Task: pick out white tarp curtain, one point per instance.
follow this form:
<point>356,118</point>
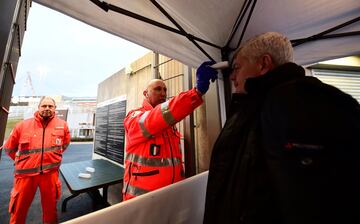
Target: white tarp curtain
<point>182,202</point>
<point>213,20</point>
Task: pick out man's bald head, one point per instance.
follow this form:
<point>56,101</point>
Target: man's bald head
<point>155,92</point>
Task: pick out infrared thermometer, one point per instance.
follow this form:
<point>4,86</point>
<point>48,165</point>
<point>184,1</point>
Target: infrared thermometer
<point>220,65</point>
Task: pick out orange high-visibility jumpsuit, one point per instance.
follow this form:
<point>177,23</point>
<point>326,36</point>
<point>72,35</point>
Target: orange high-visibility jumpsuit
<point>36,147</point>
<point>153,155</point>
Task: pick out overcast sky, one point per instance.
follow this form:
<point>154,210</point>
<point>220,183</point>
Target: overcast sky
<point>64,56</point>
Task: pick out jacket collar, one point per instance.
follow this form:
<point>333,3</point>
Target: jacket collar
<point>275,77</point>
<point>146,105</point>
<point>41,120</point>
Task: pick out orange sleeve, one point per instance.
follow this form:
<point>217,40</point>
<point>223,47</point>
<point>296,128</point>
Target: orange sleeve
<point>142,125</point>
<point>67,137</point>
<point>11,144</point>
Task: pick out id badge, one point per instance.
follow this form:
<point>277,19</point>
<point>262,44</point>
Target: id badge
<point>154,150</point>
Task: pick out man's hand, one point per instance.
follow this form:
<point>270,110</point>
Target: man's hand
<point>203,76</point>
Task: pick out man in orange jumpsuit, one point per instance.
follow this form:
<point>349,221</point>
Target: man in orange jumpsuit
<point>153,156</point>
<point>36,146</point>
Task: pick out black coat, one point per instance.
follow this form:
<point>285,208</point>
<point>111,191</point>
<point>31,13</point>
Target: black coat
<point>288,153</point>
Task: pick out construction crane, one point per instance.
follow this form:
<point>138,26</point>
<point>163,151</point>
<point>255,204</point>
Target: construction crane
<point>28,84</point>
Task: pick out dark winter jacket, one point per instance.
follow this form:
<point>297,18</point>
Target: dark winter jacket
<point>288,153</point>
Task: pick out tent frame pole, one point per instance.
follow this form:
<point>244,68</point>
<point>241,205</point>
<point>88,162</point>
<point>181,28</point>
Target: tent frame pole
<point>106,7</point>
<point>323,35</point>
<point>165,13</point>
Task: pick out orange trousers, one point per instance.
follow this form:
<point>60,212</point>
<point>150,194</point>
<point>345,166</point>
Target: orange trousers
<point>24,191</point>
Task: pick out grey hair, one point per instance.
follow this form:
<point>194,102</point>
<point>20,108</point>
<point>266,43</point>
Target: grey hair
<point>275,44</point>
<point>46,97</point>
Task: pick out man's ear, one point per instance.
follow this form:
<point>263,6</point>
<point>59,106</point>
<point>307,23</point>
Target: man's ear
<point>266,64</point>
<point>145,93</point>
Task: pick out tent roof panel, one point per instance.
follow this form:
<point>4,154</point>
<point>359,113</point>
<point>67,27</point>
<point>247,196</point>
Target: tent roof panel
<point>213,20</point>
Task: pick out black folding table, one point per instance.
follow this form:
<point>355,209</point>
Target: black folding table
<point>106,174</point>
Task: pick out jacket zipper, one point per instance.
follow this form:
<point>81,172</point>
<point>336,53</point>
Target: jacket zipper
<point>42,149</point>
<point>20,160</point>
<point>144,174</point>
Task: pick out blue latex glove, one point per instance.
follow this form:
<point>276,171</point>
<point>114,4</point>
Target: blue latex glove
<point>203,76</point>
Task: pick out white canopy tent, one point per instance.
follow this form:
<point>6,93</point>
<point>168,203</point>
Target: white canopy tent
<point>219,25</point>
<point>193,31</point>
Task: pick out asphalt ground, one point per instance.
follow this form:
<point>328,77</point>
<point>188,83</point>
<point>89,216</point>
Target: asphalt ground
<point>76,207</point>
